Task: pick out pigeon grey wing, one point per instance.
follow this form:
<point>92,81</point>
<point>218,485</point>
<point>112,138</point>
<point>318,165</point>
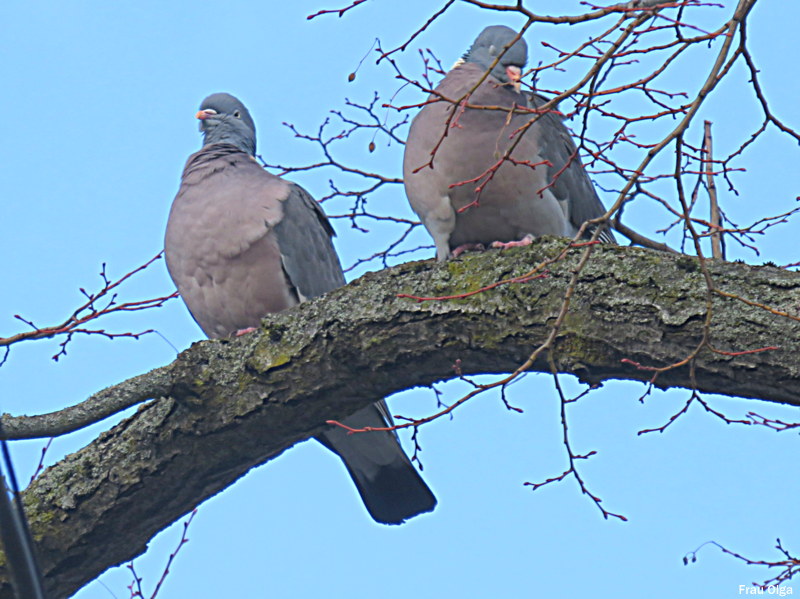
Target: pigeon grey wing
<point>570,182</point>
<point>389,485</point>
<point>221,248</point>
<point>307,253</point>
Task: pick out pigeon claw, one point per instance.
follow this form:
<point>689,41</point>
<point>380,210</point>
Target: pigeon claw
<point>478,247</point>
<point>513,244</point>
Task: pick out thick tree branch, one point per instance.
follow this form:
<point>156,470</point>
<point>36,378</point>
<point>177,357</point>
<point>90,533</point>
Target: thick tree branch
<point>230,405</point>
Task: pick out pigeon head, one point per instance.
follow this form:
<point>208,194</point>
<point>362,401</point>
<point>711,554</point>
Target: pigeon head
<point>224,119</point>
<point>488,46</point>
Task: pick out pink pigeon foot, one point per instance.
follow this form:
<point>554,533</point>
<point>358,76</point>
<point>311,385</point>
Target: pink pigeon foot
<point>513,244</point>
<point>241,332</point>
<point>478,247</point>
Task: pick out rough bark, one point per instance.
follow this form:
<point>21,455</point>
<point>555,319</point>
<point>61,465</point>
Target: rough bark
<point>233,404</point>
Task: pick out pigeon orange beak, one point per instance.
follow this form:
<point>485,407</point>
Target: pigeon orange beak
<point>514,74</point>
<point>204,114</point>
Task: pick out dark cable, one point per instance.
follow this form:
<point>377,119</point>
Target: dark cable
<point>15,535</point>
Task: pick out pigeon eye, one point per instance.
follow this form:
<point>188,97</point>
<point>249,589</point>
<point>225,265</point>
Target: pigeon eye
<point>237,114</point>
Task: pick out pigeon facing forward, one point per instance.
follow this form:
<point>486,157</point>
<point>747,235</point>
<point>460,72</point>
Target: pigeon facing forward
<point>455,177</point>
<point>241,243</point>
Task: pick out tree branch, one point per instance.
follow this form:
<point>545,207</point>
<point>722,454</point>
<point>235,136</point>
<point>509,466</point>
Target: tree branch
<point>230,405</point>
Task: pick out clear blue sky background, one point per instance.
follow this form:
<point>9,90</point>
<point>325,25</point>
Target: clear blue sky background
<point>98,105</point>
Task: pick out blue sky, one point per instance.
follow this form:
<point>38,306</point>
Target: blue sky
<point>99,110</point>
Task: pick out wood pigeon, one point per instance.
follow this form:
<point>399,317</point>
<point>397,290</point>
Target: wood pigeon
<point>454,175</point>
<point>241,243</point>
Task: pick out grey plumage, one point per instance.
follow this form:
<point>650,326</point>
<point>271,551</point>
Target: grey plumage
<point>554,197</point>
<point>241,243</point>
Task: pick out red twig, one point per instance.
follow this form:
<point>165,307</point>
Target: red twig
<point>744,353</point>
<point>40,465</point>
<point>789,566</point>
<point>136,585</point>
<point>337,11</point>
<point>572,457</point>
<point>184,539</point>
<point>90,310</point>
<point>773,423</point>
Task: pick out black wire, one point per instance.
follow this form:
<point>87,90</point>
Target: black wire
<point>16,536</point>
